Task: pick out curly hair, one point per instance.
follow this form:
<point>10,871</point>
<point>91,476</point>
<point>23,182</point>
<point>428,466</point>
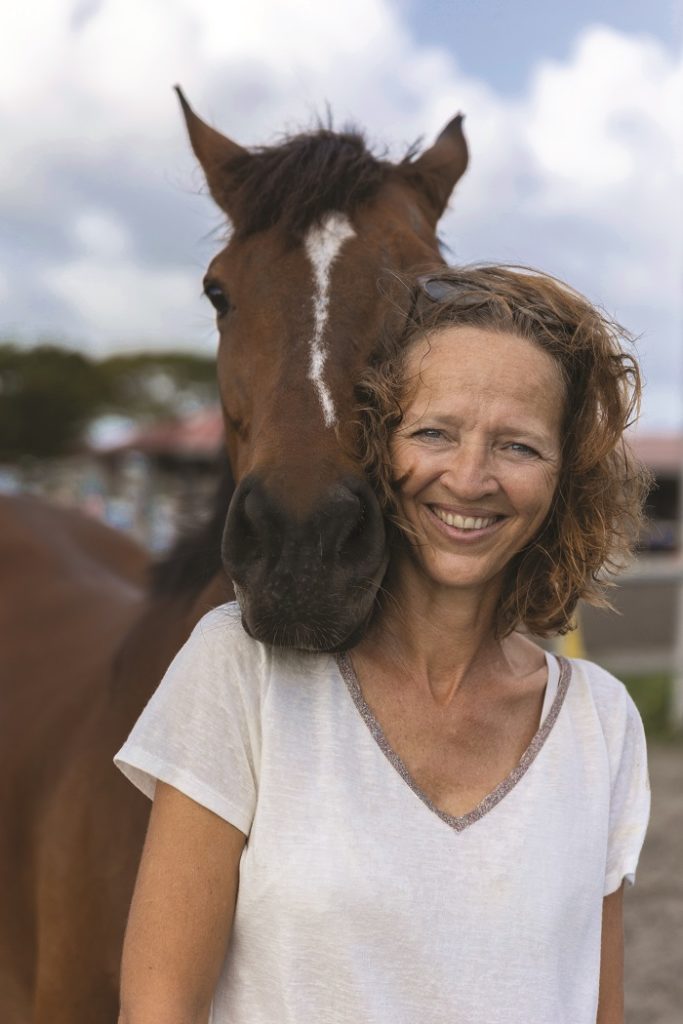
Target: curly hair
<point>593,525</point>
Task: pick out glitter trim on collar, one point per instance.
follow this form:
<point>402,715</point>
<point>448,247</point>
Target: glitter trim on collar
<point>502,789</point>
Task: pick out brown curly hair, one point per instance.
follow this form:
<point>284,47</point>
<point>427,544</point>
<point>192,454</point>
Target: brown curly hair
<point>594,523</point>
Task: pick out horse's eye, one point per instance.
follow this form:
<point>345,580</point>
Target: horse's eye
<point>217,297</point>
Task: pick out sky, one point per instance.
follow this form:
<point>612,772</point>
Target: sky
<point>572,116</point>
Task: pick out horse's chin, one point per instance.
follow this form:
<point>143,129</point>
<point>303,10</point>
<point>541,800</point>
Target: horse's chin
<point>344,632</point>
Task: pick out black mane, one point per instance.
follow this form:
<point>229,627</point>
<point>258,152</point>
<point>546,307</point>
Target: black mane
<point>195,558</point>
<point>296,183</point>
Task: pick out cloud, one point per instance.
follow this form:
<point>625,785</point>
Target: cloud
<point>106,239</point>
<point>113,294</point>
<point>614,156</point>
<point>99,234</point>
<point>582,177</point>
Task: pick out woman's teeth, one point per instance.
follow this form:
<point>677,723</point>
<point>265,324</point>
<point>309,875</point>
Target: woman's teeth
<point>463,522</point>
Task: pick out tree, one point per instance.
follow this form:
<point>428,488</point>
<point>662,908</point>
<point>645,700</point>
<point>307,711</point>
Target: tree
<point>47,395</point>
<point>159,384</point>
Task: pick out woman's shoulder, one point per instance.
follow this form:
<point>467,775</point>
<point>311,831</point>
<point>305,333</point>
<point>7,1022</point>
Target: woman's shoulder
<point>219,666</point>
<point>220,636</point>
<point>593,685</point>
<point>604,687</point>
<point>223,624</point>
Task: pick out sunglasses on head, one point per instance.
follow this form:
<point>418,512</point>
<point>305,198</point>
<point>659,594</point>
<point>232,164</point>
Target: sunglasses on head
<point>438,289</point>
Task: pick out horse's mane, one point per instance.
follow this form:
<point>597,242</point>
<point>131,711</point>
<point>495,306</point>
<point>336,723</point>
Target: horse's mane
<point>295,183</point>
<point>195,558</point>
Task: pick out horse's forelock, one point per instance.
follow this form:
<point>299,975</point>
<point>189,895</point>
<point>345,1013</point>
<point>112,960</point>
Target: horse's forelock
<point>296,183</point>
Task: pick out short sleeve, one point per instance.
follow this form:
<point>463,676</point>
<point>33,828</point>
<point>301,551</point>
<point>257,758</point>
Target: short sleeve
<point>200,732</point>
<point>629,804</point>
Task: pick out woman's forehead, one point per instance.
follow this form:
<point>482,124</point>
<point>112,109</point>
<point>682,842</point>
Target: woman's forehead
<point>466,366</point>
<point>469,352</point>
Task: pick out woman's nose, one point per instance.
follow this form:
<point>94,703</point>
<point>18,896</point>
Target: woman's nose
<point>471,472</point>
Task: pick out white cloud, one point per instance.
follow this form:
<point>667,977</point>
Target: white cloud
<point>127,302</point>
<point>605,133</point>
<point>593,120</point>
<point>100,234</point>
<point>579,174</point>
<point>582,176</point>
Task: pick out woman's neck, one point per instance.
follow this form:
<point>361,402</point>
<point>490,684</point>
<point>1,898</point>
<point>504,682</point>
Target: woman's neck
<point>444,638</point>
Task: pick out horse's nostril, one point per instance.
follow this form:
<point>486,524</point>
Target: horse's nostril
<point>357,533</point>
<point>359,525</point>
<point>251,515</point>
<point>249,523</point>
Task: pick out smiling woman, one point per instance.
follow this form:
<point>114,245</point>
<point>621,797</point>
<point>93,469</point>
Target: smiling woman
<point>436,824</point>
<point>478,452</point>
<point>525,371</point>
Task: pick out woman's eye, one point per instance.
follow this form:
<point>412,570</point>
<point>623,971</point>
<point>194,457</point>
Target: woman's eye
<point>522,449</point>
<point>429,434</point>
<point>217,297</point>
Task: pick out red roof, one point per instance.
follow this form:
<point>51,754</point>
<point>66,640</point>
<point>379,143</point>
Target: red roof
<point>662,453</point>
<point>199,435</point>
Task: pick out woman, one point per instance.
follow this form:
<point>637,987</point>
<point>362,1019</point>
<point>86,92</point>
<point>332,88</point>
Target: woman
<point>440,821</point>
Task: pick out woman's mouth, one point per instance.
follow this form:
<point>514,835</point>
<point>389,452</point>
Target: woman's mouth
<point>461,522</point>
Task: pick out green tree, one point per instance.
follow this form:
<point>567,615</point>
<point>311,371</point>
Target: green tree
<point>47,396</point>
<point>158,384</point>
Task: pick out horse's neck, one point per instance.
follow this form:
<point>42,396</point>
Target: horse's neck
<point>217,591</point>
<point>155,639</point>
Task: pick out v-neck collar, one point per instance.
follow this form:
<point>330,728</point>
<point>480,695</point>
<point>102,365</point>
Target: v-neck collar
<point>548,719</point>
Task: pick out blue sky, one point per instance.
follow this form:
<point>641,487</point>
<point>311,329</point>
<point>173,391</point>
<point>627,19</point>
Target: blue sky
<point>573,119</point>
<point>500,41</point>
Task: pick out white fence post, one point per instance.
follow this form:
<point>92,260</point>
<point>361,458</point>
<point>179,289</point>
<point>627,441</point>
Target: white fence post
<point>677,684</point>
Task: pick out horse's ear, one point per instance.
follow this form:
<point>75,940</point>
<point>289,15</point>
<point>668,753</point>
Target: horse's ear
<point>437,170</point>
<point>214,152</point>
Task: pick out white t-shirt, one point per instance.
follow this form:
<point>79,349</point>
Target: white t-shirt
<point>359,902</point>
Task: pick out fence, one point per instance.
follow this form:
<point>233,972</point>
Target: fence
<point>646,633</point>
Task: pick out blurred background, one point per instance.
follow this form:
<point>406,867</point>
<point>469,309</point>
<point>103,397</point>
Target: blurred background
<point>107,394</point>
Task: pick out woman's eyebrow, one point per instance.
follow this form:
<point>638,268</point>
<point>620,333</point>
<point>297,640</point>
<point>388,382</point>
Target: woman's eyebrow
<point>509,427</point>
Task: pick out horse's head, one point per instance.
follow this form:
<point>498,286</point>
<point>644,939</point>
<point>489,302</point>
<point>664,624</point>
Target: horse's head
<point>302,291</point>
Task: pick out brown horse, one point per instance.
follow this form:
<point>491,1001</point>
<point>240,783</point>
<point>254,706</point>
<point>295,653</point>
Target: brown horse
<point>302,290</point>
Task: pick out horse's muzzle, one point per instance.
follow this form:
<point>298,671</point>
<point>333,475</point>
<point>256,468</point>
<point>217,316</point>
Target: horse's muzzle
<point>305,581</point>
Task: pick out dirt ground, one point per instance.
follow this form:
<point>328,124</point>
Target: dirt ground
<point>654,906</point>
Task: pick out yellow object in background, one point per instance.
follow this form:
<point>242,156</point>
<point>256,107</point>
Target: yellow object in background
<point>571,645</point>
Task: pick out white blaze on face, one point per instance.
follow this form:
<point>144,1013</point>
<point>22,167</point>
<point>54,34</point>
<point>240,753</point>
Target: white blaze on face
<point>323,243</point>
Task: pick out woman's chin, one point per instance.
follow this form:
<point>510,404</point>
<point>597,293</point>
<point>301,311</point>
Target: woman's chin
<point>453,574</point>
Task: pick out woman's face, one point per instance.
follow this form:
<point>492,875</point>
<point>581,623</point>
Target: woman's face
<point>478,452</point>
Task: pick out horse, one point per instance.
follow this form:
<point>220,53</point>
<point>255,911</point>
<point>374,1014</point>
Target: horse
<point>321,229</point>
